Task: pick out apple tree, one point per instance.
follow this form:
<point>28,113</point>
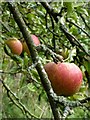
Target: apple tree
<point>62,29</point>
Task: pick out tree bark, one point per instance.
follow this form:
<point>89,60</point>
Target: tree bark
<point>43,76</point>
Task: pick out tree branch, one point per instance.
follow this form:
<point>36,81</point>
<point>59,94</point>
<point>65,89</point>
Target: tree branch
<point>44,79</point>
<point>19,104</point>
<point>84,21</point>
<point>73,40</point>
<point>7,29</point>
<point>50,11</point>
<point>65,102</point>
<point>78,27</point>
<point>55,34</point>
<point>50,52</point>
<point>70,37</point>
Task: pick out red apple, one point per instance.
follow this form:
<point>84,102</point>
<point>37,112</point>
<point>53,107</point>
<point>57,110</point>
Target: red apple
<point>36,42</point>
<point>65,78</point>
<point>15,46</point>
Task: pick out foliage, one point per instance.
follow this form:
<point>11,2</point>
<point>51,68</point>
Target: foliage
<point>19,73</point>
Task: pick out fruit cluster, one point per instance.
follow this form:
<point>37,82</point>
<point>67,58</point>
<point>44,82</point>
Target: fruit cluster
<point>18,47</point>
<point>65,78</point>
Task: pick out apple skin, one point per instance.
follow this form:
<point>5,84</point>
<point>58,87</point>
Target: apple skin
<point>15,45</point>
<point>36,42</point>
<point>25,48</point>
<point>66,78</point>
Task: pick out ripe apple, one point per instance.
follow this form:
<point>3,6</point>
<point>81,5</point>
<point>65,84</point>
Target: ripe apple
<point>36,42</point>
<point>65,78</point>
<point>15,45</point>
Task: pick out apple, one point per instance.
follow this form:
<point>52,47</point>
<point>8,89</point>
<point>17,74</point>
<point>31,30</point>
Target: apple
<point>15,45</point>
<point>36,42</point>
<point>66,78</point>
<point>25,48</point>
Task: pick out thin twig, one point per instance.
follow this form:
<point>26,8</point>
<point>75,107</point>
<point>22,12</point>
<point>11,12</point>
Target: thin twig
<point>43,111</point>
<point>14,101</point>
<point>78,27</point>
<point>84,21</point>
<point>53,32</point>
<point>7,29</point>
<point>73,40</point>
<point>50,10</point>
<point>50,52</point>
<point>7,72</point>
<point>9,91</point>
<point>53,39</point>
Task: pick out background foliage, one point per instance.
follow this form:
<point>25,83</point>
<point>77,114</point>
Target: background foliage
<point>20,74</point>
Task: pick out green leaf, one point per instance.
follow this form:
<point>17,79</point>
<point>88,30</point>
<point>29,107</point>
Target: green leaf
<point>87,66</point>
<point>69,6</point>
<point>31,87</point>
